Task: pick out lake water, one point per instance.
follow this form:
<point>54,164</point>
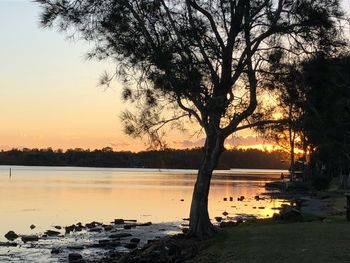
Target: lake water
<point>49,196</point>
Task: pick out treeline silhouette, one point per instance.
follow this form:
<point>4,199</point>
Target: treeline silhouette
<point>168,158</point>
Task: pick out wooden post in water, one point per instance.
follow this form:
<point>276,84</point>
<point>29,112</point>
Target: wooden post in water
<point>347,206</point>
<point>10,173</point>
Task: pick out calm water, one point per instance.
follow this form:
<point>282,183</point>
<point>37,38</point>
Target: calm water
<point>48,196</point>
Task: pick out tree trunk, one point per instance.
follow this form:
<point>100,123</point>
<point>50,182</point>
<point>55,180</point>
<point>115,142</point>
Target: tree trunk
<point>200,225</point>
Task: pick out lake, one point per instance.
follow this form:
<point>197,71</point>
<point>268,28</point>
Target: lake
<point>49,196</point>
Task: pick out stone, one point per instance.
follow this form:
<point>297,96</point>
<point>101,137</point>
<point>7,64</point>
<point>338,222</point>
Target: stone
<point>58,227</point>
<point>231,198</point>
<point>55,251</point>
<point>69,229</point>
<point>135,240</point>
<point>218,219</point>
<point>225,199</point>
<point>120,235</point>
<point>145,224</point>
<point>107,227</point>
<point>78,229</point>
<point>131,245</point>
<point>95,229</point>
<point>73,257</point>
<point>76,247</point>
<point>290,214</point>
<point>52,233</point>
<point>32,226</point>
<point>225,213</point>
<point>118,221</point>
<point>182,200</point>
<point>29,238</point>
<point>8,244</point>
<point>11,235</point>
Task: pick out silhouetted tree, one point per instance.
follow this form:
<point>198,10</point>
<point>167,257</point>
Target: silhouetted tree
<point>326,118</point>
<point>198,59</point>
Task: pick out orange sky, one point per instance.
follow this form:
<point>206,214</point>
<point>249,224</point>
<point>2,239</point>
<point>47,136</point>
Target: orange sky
<point>49,93</point>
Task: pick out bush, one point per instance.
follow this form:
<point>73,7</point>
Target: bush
<point>321,182</point>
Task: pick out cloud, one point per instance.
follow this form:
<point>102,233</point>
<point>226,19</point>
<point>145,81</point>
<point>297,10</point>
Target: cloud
<point>245,141</point>
<point>120,144</point>
<point>190,144</point>
<point>233,141</point>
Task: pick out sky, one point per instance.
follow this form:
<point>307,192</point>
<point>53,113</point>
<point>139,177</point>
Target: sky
<point>49,93</point>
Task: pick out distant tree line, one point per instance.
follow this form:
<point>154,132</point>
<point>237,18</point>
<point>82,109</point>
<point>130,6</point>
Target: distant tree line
<point>167,158</point>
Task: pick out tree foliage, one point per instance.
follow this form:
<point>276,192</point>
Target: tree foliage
<point>202,59</point>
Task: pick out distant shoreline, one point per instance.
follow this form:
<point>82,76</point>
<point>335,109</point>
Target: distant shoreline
<point>162,159</point>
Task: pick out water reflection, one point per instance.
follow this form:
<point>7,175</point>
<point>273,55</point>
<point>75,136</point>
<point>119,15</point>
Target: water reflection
<point>46,196</point>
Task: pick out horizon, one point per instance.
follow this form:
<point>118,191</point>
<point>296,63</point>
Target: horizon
<point>51,98</point>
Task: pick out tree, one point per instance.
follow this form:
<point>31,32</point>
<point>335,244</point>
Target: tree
<point>288,85</point>
<point>326,117</point>
<point>200,59</point>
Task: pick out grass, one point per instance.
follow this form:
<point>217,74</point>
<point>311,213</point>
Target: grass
<point>265,241</point>
<point>289,243</point>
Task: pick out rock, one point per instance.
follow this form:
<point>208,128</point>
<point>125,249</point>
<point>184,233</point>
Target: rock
<point>93,224</point>
<point>78,229</point>
<point>58,227</point>
<point>218,219</point>
<point>95,229</point>
<point>29,238</point>
<point>257,198</point>
<point>107,227</point>
<point>52,233</point>
<point>130,220</point>
<point>231,198</point>
<point>55,251</point>
<point>182,200</point>
<point>32,226</point>
<point>130,245</point>
<point>76,247</point>
<point>185,219</point>
<point>11,235</point>
<point>145,224</point>
<point>225,213</point>
<point>225,199</point>
<point>74,257</point>
<point>290,214</point>
<point>118,221</point>
<point>261,207</point>
<point>69,229</point>
<point>241,198</point>
<point>8,244</point>
<point>135,240</point>
<point>120,235</point>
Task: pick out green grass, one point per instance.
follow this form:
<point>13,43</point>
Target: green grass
<point>288,243</point>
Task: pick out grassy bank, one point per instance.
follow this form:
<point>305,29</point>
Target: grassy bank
<point>263,241</point>
<point>270,242</point>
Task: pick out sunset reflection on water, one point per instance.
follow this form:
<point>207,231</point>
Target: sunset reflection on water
<point>46,196</point>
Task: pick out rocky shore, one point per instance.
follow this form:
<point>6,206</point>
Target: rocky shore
<point>79,242</point>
